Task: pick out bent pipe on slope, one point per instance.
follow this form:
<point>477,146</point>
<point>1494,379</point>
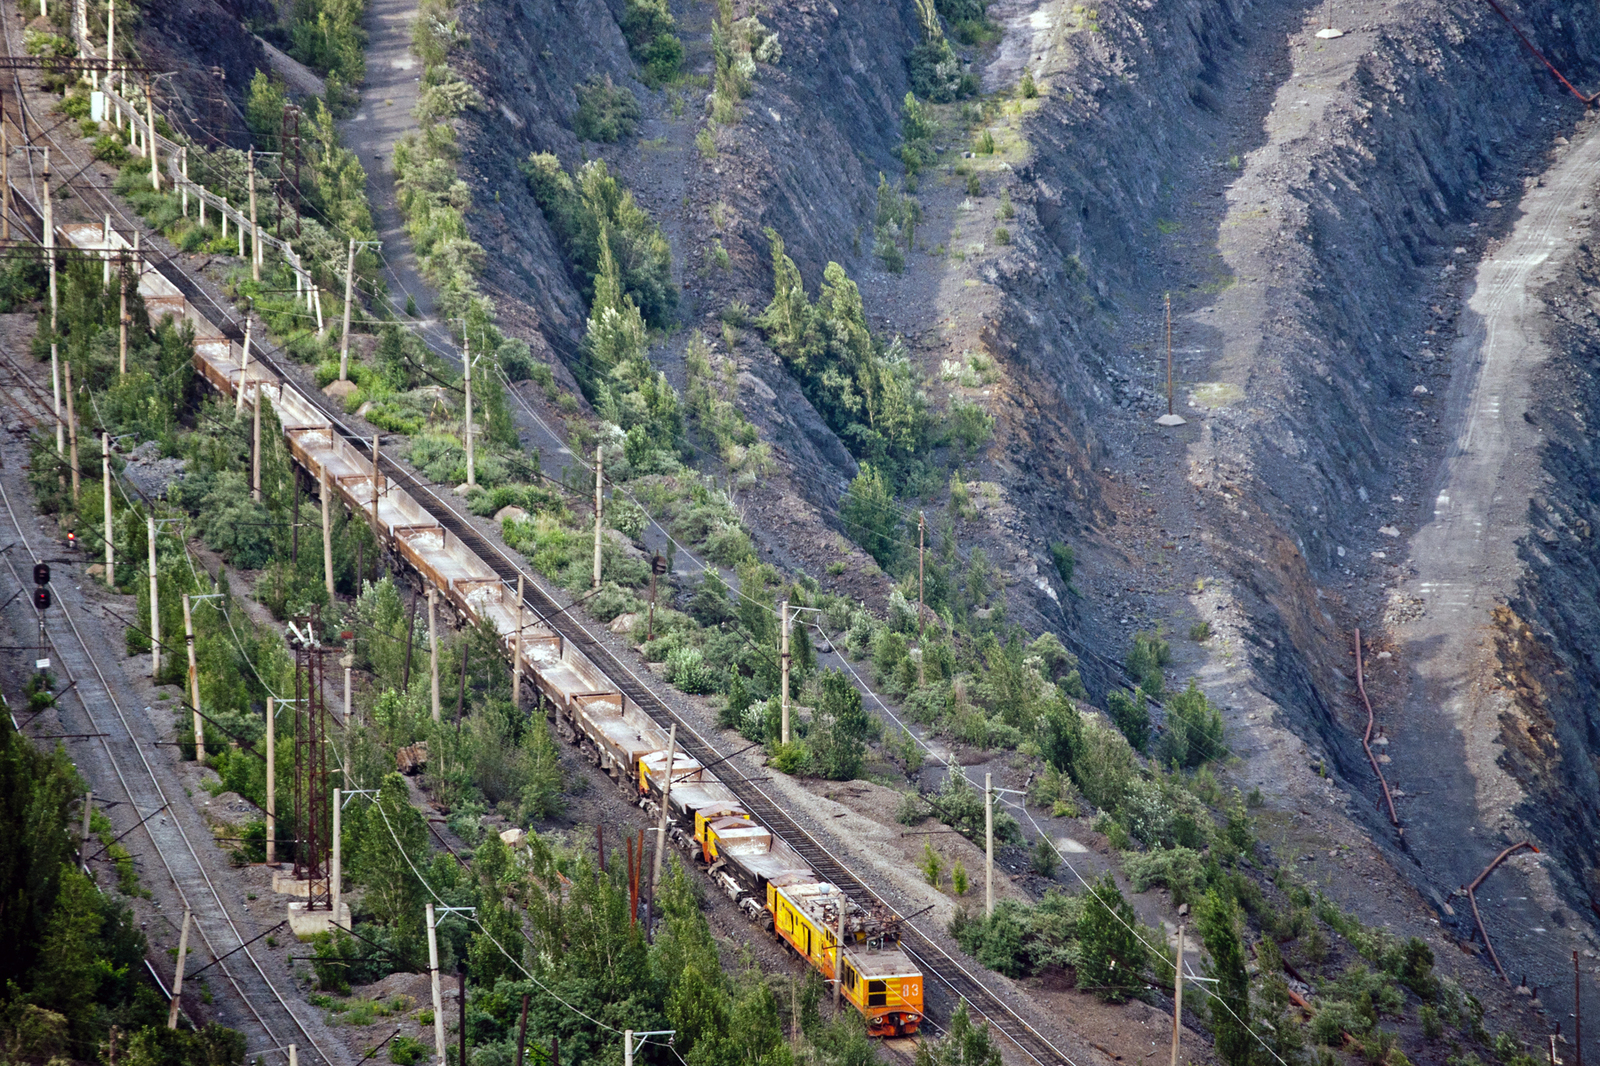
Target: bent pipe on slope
<point>1473,899</point>
<point>1361,687</point>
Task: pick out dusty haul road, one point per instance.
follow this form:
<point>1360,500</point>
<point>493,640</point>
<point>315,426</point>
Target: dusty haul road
<point>1465,563</point>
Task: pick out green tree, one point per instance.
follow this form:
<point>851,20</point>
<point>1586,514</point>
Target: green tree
<point>389,838</point>
<point>1218,925</point>
<point>1194,729</point>
<point>872,518</point>
<point>963,1044</point>
<point>1111,956</point>
<point>263,110</point>
<point>1131,715</point>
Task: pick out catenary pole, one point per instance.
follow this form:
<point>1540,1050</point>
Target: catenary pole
<point>988,844</point>
<point>599,506</point>
<point>177,980</point>
<point>344,337</point>
<point>433,976</point>
<point>194,684</point>
<point>155,601</point>
<point>433,646</point>
<point>272,784</point>
<point>783,684</point>
<point>105,482</point>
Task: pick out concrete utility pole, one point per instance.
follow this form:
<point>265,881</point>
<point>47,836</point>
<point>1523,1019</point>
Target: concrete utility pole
<point>433,646</point>
<point>516,651</point>
<point>50,256</point>
<point>599,506</point>
<point>255,230</point>
<point>433,977</point>
<point>83,840</point>
<point>988,844</point>
<point>272,783</point>
<point>150,138</point>
<point>155,602</point>
<point>344,340</point>
<point>122,314</point>
<point>244,365</point>
<point>338,820</point>
<point>194,684</point>
<point>105,481</point>
<point>5,182</point>
<point>1177,998</point>
<point>377,527</point>
<point>255,448</point>
<point>466,380</point>
<point>783,653</point>
<point>666,795</point>
<point>838,952</point>
<point>327,535</point>
<point>922,525</point>
<point>72,433</point>
<point>177,980</point>
<point>183,186</point>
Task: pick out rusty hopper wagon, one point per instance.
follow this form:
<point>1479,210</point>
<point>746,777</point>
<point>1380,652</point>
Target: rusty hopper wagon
<point>758,870</point>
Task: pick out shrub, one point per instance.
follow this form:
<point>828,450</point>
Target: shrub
<point>649,26</point>
<point>605,112</point>
<point>1131,714</point>
<point>1107,768</point>
<point>1194,729</point>
<point>1145,660</point>
<point>1200,632</point>
<point>937,75</point>
<point>407,1051</point>
<point>984,145</point>
<point>1062,555</point>
<point>958,878</point>
<point>911,809</point>
<point>1043,858</point>
<point>1029,88</point>
<point>687,670</point>
<point>1177,869</point>
<point>1218,926</point>
<point>960,806</point>
<point>971,426</point>
<point>932,866</point>
<point>871,517</point>
<point>1002,236</point>
<point>793,758</point>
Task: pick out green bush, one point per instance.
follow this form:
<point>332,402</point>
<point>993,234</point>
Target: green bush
<point>1131,714</point>
<point>582,206</point>
<point>1107,768</point>
<point>649,28</point>
<point>687,670</point>
<point>960,806</point>
<point>407,1051</point>
<point>605,112</point>
<point>1179,870</point>
<point>871,517</point>
<point>971,427</point>
<point>937,75</point>
<point>1194,729</point>
<point>1145,660</point>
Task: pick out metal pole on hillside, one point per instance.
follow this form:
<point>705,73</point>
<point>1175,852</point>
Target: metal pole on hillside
<point>272,783</point>
<point>599,505</point>
<point>988,845</point>
<point>344,336</point>
<point>1177,998</point>
<point>105,481</point>
<point>783,683</point>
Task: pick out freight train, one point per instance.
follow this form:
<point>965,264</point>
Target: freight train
<point>843,939</point>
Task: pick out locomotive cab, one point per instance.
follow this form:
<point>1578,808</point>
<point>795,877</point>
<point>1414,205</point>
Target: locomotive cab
<point>886,988</point>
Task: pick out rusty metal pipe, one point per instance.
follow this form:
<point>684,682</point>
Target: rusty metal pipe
<point>1361,687</point>
<point>1473,899</point>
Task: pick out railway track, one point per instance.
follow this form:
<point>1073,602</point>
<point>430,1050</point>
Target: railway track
<point>123,739</point>
<point>958,983</point>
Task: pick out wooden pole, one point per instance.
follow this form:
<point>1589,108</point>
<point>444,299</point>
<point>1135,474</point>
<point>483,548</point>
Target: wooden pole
<point>105,482</point>
<point>255,447</point>
<point>272,784</point>
<point>1169,353</point>
<point>433,646</point>
<point>344,337</point>
<point>72,432</point>
<point>522,1030</point>
<point>599,506</point>
<point>666,796</point>
<point>988,844</point>
<point>1177,999</point>
<point>177,980</point>
<point>783,684</point>
<point>194,684</point>
<point>155,601</point>
<point>255,230</point>
<point>327,535</point>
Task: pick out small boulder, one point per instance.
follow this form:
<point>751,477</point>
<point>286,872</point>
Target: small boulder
<point>1420,390</point>
<point>512,511</point>
<point>97,569</point>
<point>623,624</point>
<point>1389,531</point>
<point>339,390</point>
<point>462,489</point>
<point>513,838</point>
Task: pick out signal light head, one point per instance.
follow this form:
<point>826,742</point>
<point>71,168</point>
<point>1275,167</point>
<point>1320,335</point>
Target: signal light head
<point>41,573</point>
<point>41,598</point>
